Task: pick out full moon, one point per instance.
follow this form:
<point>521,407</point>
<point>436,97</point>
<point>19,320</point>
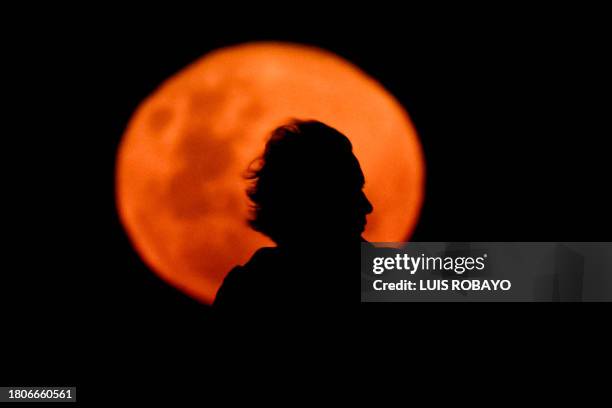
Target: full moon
<point>180,189</point>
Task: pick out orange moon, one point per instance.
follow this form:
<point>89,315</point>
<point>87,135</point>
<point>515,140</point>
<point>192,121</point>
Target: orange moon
<point>179,187</point>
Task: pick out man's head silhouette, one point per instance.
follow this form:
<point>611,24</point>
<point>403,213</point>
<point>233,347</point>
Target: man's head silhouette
<point>307,186</point>
<point>307,195</point>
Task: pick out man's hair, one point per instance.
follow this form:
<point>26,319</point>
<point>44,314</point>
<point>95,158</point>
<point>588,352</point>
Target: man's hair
<point>299,158</point>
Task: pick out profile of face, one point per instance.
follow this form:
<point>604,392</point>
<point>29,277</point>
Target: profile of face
<point>308,186</point>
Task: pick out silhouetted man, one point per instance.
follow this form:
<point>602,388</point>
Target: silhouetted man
<point>307,196</point>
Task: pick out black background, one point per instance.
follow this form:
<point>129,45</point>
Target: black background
<point>511,110</point>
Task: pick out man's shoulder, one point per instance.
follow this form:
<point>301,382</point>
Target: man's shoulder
<point>260,258</point>
<point>244,282</point>
<point>265,252</point>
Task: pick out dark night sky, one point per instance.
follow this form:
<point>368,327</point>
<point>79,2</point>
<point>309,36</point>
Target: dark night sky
<point>510,116</point>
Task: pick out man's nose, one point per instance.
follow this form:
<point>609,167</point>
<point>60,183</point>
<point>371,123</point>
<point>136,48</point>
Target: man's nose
<point>367,205</point>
